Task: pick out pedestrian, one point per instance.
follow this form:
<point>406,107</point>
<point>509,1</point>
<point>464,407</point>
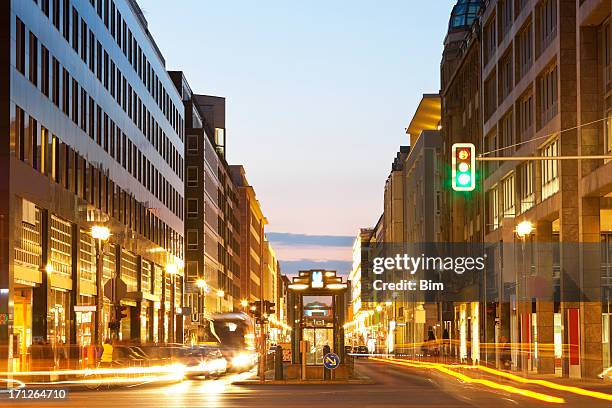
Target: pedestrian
<point>106,360</point>
<point>505,355</point>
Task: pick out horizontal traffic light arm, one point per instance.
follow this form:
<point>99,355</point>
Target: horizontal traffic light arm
<point>524,158</point>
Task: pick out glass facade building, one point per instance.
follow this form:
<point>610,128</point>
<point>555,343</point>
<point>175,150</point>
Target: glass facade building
<point>94,136</point>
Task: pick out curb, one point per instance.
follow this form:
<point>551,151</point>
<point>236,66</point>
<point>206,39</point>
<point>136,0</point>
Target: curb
<point>307,382</point>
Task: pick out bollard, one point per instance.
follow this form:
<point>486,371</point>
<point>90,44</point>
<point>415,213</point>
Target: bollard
<point>326,371</point>
<point>278,363</point>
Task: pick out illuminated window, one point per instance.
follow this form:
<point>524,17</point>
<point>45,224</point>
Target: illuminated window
<point>550,170</point>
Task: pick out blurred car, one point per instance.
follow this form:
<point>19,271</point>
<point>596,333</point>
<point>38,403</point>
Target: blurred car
<point>203,361</point>
<point>130,356</point>
<point>362,350</point>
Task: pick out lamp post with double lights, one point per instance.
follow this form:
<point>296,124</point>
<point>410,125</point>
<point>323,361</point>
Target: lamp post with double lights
<point>100,234</point>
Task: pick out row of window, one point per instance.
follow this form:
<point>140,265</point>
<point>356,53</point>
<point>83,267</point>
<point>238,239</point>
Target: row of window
<point>66,93</point>
<point>547,90</point>
<point>546,30</point>
<point>503,197</point>
<point>59,13</point>
<point>109,75</point>
<point>45,152</point>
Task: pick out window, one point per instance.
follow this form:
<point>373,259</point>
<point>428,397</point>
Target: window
<point>505,76</point>
<point>526,187</point>
<point>547,96</point>
<point>192,176</point>
<point>56,82</point>
<point>20,46</point>
<point>33,59</point>
<point>608,133</point>
<point>508,196</point>
<point>490,42</point>
<point>524,51</point>
<point>192,239</point>
<point>44,71</point>
<point>525,117</point>
<point>192,207</point>
<point>192,144</point>
<point>490,96</point>
<point>546,13</point>
<point>65,91</point>
<point>607,49</point>
<point>506,132</point>
<point>550,171</point>
<point>75,30</point>
<point>494,216</point>
<point>505,17</point>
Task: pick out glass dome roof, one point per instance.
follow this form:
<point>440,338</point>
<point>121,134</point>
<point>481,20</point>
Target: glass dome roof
<point>464,13</point>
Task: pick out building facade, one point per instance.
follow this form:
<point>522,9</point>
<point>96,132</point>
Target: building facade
<point>96,138</point>
<point>532,79</point>
<point>211,224</point>
<point>252,239</point>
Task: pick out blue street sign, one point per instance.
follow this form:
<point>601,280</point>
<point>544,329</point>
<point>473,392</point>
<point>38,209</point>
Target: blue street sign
<point>331,361</point>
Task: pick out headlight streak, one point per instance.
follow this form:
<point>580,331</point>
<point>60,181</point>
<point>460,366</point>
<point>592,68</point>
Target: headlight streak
<point>523,380</point>
<point>467,379</point>
<point>125,375</point>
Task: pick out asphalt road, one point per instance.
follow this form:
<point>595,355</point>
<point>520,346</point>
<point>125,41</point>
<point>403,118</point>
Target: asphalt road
<point>395,387</point>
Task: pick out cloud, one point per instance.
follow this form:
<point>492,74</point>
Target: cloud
<point>293,267</point>
<point>286,238</point>
<point>298,252</point>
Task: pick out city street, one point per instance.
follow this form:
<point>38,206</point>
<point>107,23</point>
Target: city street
<point>395,386</point>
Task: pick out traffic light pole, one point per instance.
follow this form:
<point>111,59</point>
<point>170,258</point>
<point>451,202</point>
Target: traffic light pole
<point>526,158</point>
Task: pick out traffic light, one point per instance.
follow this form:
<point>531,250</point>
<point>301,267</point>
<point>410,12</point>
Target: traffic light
<point>123,312</point>
<point>463,166</point>
<point>269,307</point>
<point>255,309</point>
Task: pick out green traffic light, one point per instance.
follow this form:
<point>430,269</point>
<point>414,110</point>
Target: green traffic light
<point>464,179</point>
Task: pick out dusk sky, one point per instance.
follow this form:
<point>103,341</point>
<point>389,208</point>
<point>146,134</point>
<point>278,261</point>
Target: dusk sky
<point>318,94</point>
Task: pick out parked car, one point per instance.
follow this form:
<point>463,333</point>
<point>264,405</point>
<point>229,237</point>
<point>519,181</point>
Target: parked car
<point>362,350</point>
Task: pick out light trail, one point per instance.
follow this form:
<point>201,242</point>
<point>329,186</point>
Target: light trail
<point>487,383</point>
<point>517,378</point>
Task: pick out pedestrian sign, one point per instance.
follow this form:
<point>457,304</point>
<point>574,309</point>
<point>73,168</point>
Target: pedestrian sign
<point>331,361</point>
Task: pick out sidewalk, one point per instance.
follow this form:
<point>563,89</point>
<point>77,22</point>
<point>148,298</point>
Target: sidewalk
<point>359,380</point>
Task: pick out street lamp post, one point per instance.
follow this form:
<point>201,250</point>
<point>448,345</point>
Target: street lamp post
<point>101,234</point>
<point>523,230</point>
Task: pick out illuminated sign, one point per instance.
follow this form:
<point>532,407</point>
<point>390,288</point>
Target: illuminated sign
<point>316,279</point>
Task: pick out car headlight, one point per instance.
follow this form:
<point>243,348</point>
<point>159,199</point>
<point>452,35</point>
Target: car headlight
<point>242,360</point>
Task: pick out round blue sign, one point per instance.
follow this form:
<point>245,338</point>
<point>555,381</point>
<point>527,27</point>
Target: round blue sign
<point>331,361</point>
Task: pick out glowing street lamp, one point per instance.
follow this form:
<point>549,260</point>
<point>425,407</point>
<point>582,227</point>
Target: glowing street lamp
<point>200,283</point>
<point>220,293</point>
<point>524,228</point>
<point>244,303</point>
<point>100,232</point>
<point>171,268</point>
<point>379,308</point>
